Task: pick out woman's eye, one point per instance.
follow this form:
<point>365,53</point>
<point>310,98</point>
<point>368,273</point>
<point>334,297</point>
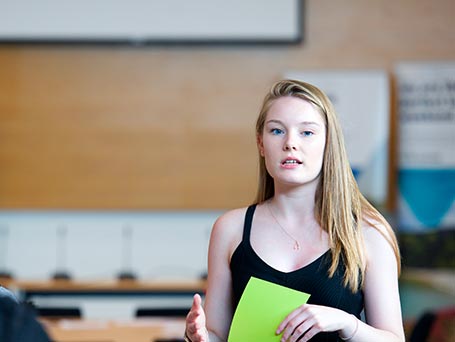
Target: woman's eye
<point>307,133</point>
<point>276,131</point>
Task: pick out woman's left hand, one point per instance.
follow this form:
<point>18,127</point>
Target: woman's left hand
<point>308,320</point>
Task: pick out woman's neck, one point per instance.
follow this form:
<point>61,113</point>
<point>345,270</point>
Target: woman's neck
<point>295,212</point>
<point>295,199</point>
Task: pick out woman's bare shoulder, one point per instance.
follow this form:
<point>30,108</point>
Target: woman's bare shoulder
<point>377,237</point>
<point>228,228</point>
<point>374,229</point>
<point>231,217</point>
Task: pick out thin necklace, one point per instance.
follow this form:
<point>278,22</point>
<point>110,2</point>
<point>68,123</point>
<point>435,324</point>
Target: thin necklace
<point>296,242</point>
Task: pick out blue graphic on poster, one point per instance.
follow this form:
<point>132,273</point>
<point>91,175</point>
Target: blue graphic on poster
<point>426,178</point>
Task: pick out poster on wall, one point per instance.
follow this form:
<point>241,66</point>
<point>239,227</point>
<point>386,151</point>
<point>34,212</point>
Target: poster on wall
<point>362,101</point>
<point>426,178</point>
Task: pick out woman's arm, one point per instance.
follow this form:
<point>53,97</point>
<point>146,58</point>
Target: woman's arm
<point>212,322</point>
<point>382,298</point>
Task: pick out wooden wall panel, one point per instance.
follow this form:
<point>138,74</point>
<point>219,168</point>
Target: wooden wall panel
<point>81,133</point>
<point>82,129</point>
<point>173,128</point>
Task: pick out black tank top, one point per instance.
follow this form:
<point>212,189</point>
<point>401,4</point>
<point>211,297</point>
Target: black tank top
<point>312,278</point>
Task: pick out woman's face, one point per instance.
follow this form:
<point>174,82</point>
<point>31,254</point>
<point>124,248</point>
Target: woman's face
<point>293,141</point>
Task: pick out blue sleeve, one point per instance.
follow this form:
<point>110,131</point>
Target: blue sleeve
<point>7,293</point>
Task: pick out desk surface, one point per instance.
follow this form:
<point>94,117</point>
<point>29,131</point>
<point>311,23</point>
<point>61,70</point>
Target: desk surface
<point>186,285</point>
<point>138,330</point>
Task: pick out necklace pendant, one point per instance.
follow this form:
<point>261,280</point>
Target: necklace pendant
<point>296,246</point>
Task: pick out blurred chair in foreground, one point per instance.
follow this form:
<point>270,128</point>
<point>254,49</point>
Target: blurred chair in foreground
<point>18,321</point>
<point>435,326</point>
<point>58,312</point>
<point>162,312</point>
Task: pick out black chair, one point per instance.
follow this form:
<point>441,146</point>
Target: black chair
<point>162,312</point>
<point>437,325</point>
<point>422,328</point>
<point>58,312</point>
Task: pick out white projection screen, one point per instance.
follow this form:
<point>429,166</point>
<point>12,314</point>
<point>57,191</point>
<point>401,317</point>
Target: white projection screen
<point>151,21</point>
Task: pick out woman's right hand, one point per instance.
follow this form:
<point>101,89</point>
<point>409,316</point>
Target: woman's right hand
<point>196,330</point>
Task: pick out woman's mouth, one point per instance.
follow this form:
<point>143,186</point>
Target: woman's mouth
<point>291,162</point>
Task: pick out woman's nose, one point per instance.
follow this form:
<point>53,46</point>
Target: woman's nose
<point>289,147</point>
<point>289,144</point>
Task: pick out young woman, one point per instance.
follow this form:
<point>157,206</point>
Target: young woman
<point>310,229</point>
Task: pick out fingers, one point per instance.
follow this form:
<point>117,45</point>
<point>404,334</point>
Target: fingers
<point>300,325</point>
<point>196,306</point>
<point>300,331</point>
<point>308,320</point>
<point>195,321</point>
<point>288,318</point>
<point>196,310</point>
<point>197,301</point>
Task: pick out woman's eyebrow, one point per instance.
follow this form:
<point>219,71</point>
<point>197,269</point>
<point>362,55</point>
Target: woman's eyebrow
<point>304,123</point>
<point>309,123</point>
<point>274,121</point>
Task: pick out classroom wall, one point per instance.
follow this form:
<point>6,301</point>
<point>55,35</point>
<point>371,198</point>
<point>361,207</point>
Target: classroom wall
<point>126,127</point>
<point>167,129</point>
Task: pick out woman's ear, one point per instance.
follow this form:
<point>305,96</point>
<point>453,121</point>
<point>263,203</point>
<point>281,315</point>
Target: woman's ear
<point>260,145</point>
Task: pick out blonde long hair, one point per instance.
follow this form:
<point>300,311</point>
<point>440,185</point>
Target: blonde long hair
<point>340,208</point>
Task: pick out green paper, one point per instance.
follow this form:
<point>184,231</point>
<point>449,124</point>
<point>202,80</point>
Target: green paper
<point>261,309</point>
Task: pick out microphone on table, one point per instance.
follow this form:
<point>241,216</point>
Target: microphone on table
<point>61,272</point>
<point>126,272</point>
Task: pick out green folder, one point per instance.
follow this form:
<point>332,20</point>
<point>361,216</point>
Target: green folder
<point>262,307</point>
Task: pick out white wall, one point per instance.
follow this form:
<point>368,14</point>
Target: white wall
<point>164,244</point>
